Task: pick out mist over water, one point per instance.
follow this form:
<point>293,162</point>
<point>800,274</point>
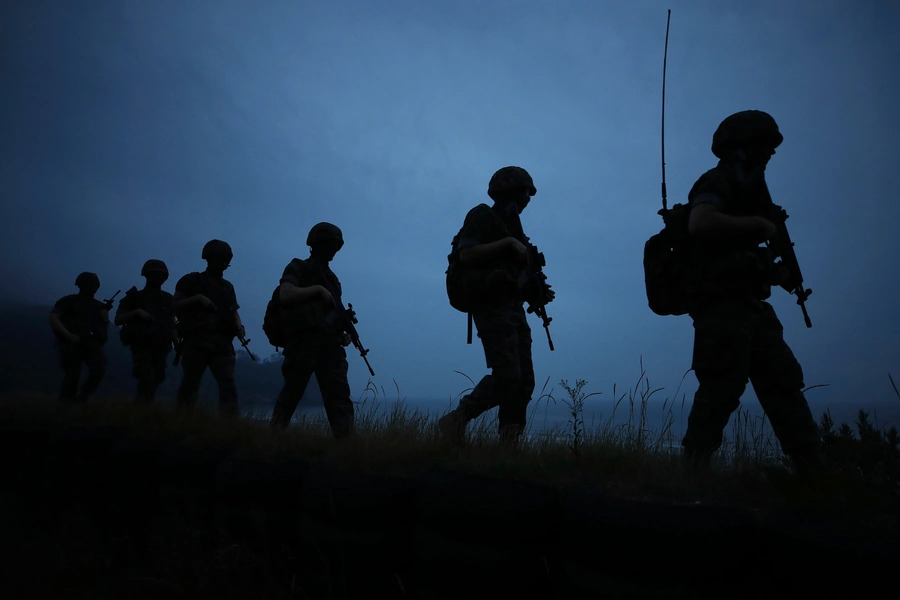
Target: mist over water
<point>546,417</point>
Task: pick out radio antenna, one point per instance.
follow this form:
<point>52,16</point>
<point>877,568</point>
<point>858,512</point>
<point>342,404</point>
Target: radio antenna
<point>665,57</point>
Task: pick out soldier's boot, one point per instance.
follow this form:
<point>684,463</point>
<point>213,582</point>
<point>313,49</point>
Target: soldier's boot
<point>510,435</point>
<point>808,462</point>
<point>696,461</point>
<point>453,426</point>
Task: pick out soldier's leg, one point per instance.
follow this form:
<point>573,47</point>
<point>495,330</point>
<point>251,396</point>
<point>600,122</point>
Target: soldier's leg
<point>721,363</point>
<point>194,360</point>
<point>497,332</point>
<point>70,363</point>
<point>142,369</point>
<point>159,371</point>
<point>514,409</point>
<point>331,373</point>
<point>298,366</point>
<point>95,359</point>
<point>221,365</point>
<point>777,378</point>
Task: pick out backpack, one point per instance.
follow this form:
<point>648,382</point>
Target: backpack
<point>273,321</point>
<point>667,264</point>
<point>457,291</point>
<point>470,289</point>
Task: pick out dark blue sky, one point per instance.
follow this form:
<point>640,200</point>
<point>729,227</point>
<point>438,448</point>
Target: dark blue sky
<point>136,130</point>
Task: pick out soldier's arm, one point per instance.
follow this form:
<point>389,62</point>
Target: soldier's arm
<point>707,221</point>
<point>481,253</point>
<point>293,294</point>
<point>58,327</point>
<point>124,317</point>
<point>195,301</point>
<point>104,315</point>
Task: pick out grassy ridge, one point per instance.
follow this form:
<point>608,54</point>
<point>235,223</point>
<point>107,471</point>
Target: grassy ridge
<point>625,459</point>
<point>60,547</point>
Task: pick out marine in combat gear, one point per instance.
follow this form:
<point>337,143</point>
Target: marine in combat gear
<point>148,328</point>
<point>490,251</point>
<point>308,293</point>
<point>206,307</point>
<point>79,323</point>
<point>738,336</point>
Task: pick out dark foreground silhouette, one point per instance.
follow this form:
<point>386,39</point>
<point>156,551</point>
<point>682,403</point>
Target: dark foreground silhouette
<point>118,500</point>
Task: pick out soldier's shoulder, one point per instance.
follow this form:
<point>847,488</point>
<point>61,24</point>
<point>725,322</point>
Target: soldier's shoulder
<point>481,214</point>
<point>480,210</point>
<point>188,279</point>
<point>715,181</point>
<point>65,301</point>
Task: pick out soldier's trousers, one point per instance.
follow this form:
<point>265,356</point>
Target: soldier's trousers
<point>216,354</point>
<point>148,366</point>
<point>70,360</point>
<point>506,338</point>
<point>323,355</point>
<point>735,341</point>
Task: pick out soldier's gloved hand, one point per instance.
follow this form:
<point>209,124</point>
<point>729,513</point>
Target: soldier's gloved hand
<point>73,338</point>
<point>143,315</point>
<point>766,229</point>
<point>241,332</point>
<point>206,303</point>
<point>550,295</point>
<point>780,274</point>
<point>345,340</point>
<point>518,249</point>
<point>325,295</point>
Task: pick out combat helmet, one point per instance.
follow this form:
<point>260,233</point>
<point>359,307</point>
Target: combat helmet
<point>216,249</point>
<point>321,232</point>
<point>154,265</point>
<point>743,127</point>
<point>87,278</point>
<point>508,179</point>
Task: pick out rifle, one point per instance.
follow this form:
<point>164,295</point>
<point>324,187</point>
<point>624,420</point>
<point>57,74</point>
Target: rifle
<point>782,247</point>
<point>537,287</point>
<point>179,346</point>
<point>246,344</point>
<point>345,318</point>
<point>535,281</point>
<point>108,304</point>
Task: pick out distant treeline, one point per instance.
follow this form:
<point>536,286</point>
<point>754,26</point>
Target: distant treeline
<point>29,363</point>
